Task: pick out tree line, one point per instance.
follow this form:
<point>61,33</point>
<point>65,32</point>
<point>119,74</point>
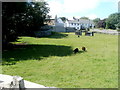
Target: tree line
<point>22,18</point>
<point>112,22</point>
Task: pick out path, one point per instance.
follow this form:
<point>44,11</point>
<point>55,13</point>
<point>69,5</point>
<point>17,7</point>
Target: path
<point>112,32</point>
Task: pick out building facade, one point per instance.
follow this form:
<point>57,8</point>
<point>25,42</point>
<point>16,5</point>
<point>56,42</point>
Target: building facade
<point>50,22</point>
<point>59,25</point>
<point>69,25</point>
<point>79,24</point>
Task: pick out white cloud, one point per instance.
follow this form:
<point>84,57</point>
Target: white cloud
<point>55,7</point>
<point>70,7</point>
<point>109,0</point>
<point>92,16</point>
<point>73,6</point>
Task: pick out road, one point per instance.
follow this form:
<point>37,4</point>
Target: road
<point>113,32</point>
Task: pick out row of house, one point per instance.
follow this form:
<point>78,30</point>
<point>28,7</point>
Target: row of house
<point>75,24</point>
<point>79,23</point>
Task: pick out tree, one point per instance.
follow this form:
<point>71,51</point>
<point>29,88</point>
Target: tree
<point>11,16</point>
<point>113,21</point>
<point>63,19</point>
<point>101,24</point>
<point>118,25</point>
<point>22,18</point>
<point>96,20</point>
<point>36,15</point>
<point>84,18</point>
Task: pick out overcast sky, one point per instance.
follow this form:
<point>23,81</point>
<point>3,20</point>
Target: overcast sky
<point>79,8</point>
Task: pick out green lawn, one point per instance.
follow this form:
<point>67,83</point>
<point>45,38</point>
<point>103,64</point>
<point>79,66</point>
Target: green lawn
<point>50,61</point>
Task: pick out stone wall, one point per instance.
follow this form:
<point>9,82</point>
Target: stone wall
<point>42,33</point>
<point>59,29</point>
<point>69,29</point>
<point>8,82</point>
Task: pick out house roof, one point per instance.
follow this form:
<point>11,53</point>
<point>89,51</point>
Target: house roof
<point>85,21</point>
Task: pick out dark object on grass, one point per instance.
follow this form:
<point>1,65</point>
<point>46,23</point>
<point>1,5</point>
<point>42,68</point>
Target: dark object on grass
<point>89,33</point>
<point>84,48</point>
<point>76,50</point>
<point>78,36</point>
<point>78,32</point>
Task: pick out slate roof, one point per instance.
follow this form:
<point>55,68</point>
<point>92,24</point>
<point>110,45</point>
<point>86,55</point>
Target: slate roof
<point>81,21</point>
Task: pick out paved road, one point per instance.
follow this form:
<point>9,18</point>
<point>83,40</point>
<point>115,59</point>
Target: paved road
<point>113,32</point>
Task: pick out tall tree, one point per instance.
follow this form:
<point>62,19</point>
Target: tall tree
<point>20,18</point>
<point>36,15</point>
<point>11,16</point>
<point>96,20</point>
<point>101,23</point>
<point>113,20</point>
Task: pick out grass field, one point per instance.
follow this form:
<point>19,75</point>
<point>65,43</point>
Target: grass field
<point>50,61</point>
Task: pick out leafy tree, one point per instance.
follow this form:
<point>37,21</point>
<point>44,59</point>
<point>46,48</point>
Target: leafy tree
<point>118,25</point>
<point>113,21</point>
<point>11,16</point>
<point>22,18</point>
<point>96,20</point>
<point>84,18</point>
<point>36,15</point>
<point>48,18</point>
<point>63,19</point>
<point>101,24</point>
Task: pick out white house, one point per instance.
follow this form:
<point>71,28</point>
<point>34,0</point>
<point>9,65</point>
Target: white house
<point>79,23</point>
<point>59,25</point>
<point>71,25</point>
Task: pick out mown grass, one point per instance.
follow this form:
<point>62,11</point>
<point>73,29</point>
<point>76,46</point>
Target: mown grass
<point>50,61</point>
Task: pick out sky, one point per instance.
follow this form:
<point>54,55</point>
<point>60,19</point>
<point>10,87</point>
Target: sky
<point>80,8</point>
